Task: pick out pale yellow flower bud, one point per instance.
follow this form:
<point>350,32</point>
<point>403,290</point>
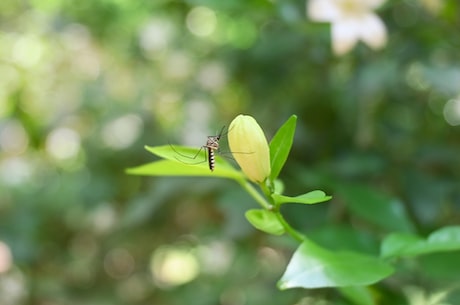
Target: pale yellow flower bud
<point>249,147</point>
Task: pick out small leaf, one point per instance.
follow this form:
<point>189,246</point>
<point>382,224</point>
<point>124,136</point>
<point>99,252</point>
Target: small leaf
<point>312,266</point>
<point>312,197</point>
<point>280,146</point>
<point>265,221</point>
<point>406,245</point>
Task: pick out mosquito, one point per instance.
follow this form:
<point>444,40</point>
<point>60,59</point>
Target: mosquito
<point>211,146</point>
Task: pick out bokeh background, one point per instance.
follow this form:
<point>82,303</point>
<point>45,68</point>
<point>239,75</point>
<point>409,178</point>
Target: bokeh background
<point>84,85</point>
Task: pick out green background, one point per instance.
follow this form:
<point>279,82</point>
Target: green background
<point>84,85</point>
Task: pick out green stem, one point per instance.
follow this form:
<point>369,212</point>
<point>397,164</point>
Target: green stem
<point>265,204</point>
<point>290,230</point>
<point>255,194</point>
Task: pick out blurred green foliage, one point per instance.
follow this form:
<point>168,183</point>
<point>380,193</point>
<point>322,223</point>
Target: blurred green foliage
<point>85,84</point>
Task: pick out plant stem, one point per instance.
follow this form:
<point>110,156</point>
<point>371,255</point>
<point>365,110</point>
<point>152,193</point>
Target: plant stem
<point>275,209</point>
<point>290,230</point>
<point>254,193</point>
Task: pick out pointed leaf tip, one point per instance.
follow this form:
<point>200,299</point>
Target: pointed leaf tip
<point>280,146</point>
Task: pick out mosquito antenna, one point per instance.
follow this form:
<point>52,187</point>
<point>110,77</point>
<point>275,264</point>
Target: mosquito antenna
<point>221,133</point>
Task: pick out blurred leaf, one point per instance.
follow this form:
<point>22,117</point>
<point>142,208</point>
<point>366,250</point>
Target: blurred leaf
<point>376,207</point>
<point>312,197</point>
<point>172,166</point>
<point>280,146</point>
<point>265,221</point>
<point>345,237</point>
<point>359,295</point>
<point>441,265</point>
<point>403,244</point>
<point>314,267</point>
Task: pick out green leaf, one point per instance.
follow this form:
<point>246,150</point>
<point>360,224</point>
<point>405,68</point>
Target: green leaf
<point>407,245</point>
<point>312,266</point>
<point>312,197</point>
<point>359,295</point>
<point>265,221</point>
<point>375,207</point>
<point>345,237</point>
<point>280,146</point>
<point>174,166</point>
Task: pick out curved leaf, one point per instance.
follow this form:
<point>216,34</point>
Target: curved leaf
<point>280,146</point>
<point>173,166</point>
<point>312,266</point>
<point>265,221</point>
<point>312,197</point>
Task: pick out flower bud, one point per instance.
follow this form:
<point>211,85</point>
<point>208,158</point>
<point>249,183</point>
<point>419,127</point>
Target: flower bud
<point>249,147</point>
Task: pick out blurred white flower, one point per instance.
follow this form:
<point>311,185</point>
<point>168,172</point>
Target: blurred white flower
<point>351,20</point>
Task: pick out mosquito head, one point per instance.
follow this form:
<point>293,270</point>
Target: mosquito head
<point>213,142</point>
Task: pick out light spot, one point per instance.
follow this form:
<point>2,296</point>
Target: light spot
<point>155,36</point>
<point>452,112</point>
<point>201,21</point>
<point>63,143</point>
<point>11,79</point>
<point>271,260</point>
<point>13,288</point>
<point>433,6</point>
<point>27,51</point>
<point>13,138</point>
<point>134,289</point>
<point>121,132</point>
<point>119,263</point>
<point>103,219</point>
<point>415,77</point>
<point>6,259</point>
<point>178,66</point>
<point>85,56</point>
<point>216,257</point>
<point>15,171</point>
<point>173,266</point>
<point>212,76</point>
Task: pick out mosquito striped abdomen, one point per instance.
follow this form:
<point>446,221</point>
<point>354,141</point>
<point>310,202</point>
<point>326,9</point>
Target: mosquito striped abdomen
<point>211,158</point>
<point>212,144</point>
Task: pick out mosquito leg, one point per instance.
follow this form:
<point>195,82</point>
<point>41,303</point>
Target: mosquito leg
<point>185,156</point>
<point>188,157</point>
<point>201,148</point>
